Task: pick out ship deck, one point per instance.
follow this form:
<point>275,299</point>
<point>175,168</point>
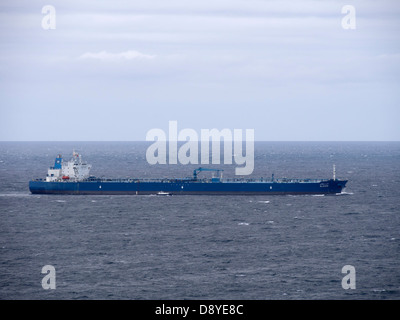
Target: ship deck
<point>149,180</point>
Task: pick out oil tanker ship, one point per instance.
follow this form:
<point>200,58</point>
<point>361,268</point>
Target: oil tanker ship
<point>73,177</point>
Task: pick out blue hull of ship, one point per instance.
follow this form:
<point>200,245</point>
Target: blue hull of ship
<point>183,187</point>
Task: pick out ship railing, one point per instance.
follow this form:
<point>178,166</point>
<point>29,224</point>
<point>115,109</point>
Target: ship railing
<point>136,180</point>
<point>283,180</point>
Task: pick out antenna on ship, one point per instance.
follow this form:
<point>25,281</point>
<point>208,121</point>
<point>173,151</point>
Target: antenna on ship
<point>334,172</point>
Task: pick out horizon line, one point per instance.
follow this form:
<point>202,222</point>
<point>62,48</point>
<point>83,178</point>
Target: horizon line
<point>150,141</point>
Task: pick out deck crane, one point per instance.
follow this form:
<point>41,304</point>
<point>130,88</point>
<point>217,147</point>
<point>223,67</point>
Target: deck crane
<point>196,171</point>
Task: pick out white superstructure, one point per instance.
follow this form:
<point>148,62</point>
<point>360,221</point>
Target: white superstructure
<point>75,169</point>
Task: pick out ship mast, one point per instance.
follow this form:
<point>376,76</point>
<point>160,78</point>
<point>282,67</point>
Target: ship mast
<point>334,172</point>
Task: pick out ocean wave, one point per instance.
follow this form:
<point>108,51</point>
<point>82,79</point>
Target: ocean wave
<point>15,194</point>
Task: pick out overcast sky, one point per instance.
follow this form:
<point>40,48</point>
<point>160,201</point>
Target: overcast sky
<point>113,70</point>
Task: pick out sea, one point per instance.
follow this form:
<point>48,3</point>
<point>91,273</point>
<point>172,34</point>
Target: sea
<point>144,247</point>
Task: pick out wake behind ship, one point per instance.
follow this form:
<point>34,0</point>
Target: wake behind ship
<point>72,177</point>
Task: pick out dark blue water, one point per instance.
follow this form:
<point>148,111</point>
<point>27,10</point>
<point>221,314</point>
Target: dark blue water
<point>203,247</point>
